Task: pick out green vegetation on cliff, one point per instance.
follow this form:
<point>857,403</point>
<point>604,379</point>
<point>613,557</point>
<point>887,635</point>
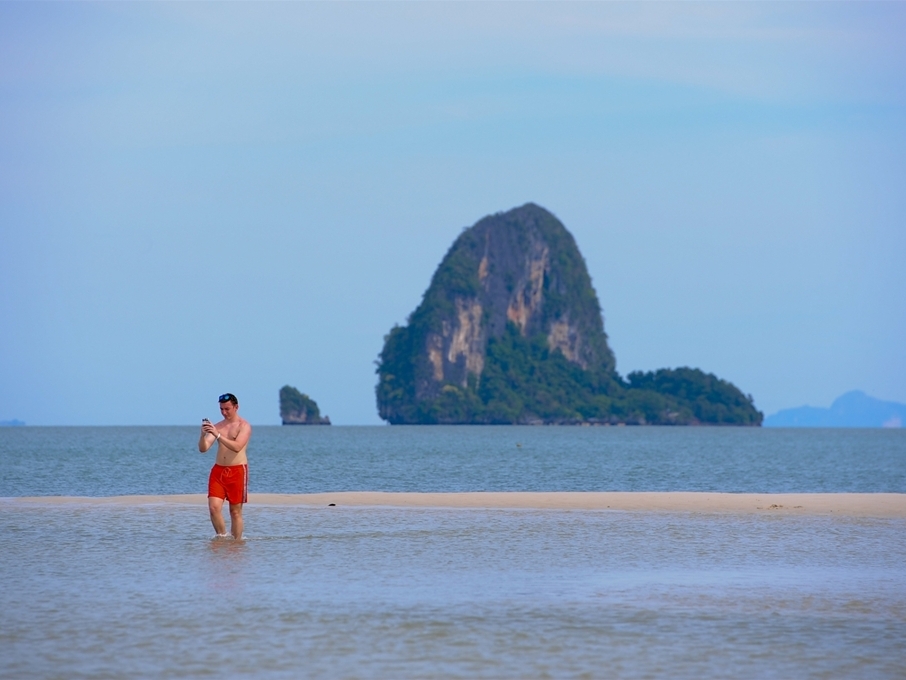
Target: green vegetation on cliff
<point>688,395</point>
<point>510,331</point>
<point>524,382</point>
<point>297,408</point>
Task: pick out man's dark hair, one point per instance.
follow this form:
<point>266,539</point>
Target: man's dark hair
<point>228,397</point>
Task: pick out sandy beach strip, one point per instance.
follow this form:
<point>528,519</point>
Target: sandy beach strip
<point>836,504</point>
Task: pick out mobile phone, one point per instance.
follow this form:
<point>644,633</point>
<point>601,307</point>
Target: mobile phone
<point>205,420</point>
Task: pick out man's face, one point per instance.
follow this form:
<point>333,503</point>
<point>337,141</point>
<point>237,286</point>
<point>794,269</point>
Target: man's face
<point>227,410</point>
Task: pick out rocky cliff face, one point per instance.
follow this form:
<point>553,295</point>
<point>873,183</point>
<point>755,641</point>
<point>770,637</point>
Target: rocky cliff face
<point>303,417</point>
<point>525,269</point>
<point>520,269</point>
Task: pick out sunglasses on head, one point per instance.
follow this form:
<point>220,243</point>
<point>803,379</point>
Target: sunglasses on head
<point>226,397</point>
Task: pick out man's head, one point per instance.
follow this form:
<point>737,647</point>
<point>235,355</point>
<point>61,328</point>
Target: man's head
<point>229,404</point>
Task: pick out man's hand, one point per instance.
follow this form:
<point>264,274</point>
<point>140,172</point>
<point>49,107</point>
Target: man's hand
<point>207,428</point>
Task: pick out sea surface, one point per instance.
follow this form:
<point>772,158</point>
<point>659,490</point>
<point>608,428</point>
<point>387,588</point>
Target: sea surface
<point>117,590</point>
<point>111,461</point>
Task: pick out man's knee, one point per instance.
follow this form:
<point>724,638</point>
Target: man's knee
<point>236,509</point>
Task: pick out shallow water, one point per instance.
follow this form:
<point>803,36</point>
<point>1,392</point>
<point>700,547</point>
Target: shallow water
<point>108,591</point>
<point>108,461</point>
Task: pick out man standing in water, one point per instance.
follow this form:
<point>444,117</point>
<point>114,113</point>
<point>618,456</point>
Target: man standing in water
<point>230,475</point>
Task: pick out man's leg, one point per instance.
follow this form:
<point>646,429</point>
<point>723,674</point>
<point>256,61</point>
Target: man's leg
<point>236,520</point>
<point>215,507</point>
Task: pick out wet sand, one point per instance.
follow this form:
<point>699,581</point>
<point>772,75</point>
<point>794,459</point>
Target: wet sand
<point>835,504</point>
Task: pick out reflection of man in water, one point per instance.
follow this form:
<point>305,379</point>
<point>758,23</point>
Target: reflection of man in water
<point>230,475</point>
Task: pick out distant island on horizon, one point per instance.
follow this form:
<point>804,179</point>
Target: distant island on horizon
<point>297,408</point>
<point>853,409</point>
<point>510,331</point>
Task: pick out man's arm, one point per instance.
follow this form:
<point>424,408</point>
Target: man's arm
<point>236,445</point>
<point>206,439</point>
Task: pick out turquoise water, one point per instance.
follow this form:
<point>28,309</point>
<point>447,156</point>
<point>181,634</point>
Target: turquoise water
<point>115,590</point>
<point>107,461</point>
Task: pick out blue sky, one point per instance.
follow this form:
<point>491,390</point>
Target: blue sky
<point>202,197</point>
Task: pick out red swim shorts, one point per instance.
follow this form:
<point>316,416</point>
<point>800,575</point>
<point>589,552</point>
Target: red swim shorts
<point>230,482</point>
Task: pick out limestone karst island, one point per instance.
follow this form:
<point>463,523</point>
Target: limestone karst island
<point>510,331</point>
<point>299,409</point>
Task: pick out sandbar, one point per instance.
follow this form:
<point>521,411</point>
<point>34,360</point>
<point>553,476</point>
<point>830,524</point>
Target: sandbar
<point>833,504</point>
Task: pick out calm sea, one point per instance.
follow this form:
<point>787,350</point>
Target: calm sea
<point>110,461</point>
<point>101,591</point>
